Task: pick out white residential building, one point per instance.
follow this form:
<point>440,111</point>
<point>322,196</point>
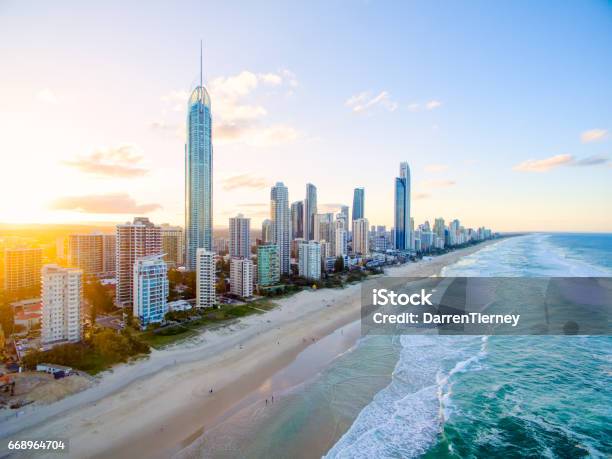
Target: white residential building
<point>242,271</point>
<point>205,278</point>
<point>309,260</point>
<point>341,245</point>
<point>150,290</point>
<point>360,236</point>
<point>62,316</point>
<point>239,231</point>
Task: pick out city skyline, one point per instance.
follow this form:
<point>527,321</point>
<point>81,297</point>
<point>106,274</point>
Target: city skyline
<point>474,141</point>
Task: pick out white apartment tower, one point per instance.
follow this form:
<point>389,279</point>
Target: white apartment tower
<point>360,236</point>
<point>62,317</point>
<point>242,272</point>
<point>309,260</point>
<point>205,278</point>
<point>239,231</point>
<point>150,290</point>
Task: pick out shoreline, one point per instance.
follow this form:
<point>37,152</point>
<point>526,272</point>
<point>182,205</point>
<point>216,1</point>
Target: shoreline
<point>160,406</point>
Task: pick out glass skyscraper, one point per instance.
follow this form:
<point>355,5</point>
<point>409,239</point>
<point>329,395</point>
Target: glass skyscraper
<point>310,211</point>
<point>358,203</point>
<point>281,224</point>
<point>198,174</point>
<point>402,209</point>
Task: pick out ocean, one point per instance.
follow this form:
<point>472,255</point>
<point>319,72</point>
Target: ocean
<point>452,396</point>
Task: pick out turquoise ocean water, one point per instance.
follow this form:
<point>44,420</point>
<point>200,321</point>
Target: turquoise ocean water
<point>451,396</point>
<point>533,396</point>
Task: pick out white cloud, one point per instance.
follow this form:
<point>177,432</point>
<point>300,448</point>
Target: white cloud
<point>543,165</point>
<point>238,117</point>
<point>48,96</point>
<point>430,105</point>
<point>593,135</point>
<point>364,101</point>
<point>433,104</point>
<point>436,183</point>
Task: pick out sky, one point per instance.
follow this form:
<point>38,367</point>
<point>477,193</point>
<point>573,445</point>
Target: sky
<point>502,109</point>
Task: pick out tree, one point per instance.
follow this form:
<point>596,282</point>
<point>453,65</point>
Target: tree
<point>7,319</point>
<point>339,265</point>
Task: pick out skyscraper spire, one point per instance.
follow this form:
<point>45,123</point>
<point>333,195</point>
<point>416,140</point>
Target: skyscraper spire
<point>201,87</point>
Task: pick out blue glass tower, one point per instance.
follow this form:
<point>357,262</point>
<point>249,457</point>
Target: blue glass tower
<point>403,238</point>
<point>198,174</point>
<point>358,203</point>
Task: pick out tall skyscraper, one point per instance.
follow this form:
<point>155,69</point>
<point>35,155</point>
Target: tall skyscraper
<point>309,260</point>
<point>266,231</point>
<point>297,220</point>
<point>205,278</point>
<point>241,277</point>
<point>134,240</point>
<point>403,237</point>
<point>360,236</point>
<point>268,261</point>
<point>22,271</point>
<point>62,314</point>
<point>310,212</point>
<point>198,174</point>
<point>281,224</point>
<point>92,253</point>
<point>150,290</point>
<point>344,213</point>
<point>240,230</point>
<point>324,227</point>
<point>173,244</point>
<point>358,203</point>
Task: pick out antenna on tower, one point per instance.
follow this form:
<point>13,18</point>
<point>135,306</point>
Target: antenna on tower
<point>200,63</point>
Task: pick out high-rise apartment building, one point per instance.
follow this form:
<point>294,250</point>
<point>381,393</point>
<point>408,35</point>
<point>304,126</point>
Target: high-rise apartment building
<point>268,265</point>
<point>135,240</point>
<point>173,244</point>
<point>309,260</point>
<point>198,174</point>
<point>341,242</point>
<point>266,231</point>
<point>94,254</point>
<point>150,290</point>
<point>324,227</point>
<point>22,270</point>
<point>205,278</point>
<point>358,203</point>
<point>281,224</point>
<point>62,314</point>
<point>297,220</point>
<point>360,236</point>
<point>403,236</point>
<point>310,212</point>
<point>241,277</point>
<point>239,232</point>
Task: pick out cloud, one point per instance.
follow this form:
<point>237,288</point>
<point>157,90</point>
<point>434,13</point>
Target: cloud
<point>115,203</point>
<point>544,165</point>
<point>238,117</point>
<point>433,104</point>
<point>436,167</point>
<point>421,195</point>
<point>430,105</point>
<point>364,101</point>
<point>593,135</point>
<point>254,205</point>
<point>594,160</point>
<point>48,96</point>
<point>244,181</point>
<point>122,161</point>
<point>437,183</point>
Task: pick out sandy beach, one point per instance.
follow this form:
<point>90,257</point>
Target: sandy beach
<point>158,406</point>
